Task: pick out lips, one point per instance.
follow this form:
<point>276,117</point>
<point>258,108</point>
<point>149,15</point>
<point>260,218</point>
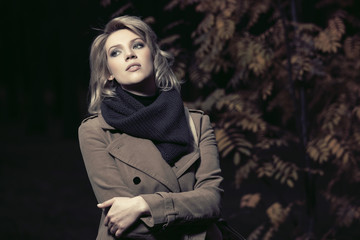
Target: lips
<point>133,67</point>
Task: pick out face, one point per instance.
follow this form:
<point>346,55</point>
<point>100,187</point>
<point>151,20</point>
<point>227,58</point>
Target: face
<point>130,62</point>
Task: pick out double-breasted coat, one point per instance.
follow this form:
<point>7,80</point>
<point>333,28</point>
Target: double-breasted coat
<point>184,199</point>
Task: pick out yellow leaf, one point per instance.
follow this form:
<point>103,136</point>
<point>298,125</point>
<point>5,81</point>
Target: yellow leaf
<point>226,151</point>
<point>169,40</point>
<point>250,200</point>
<point>290,183</point>
<point>339,152</point>
<point>332,143</point>
<point>269,234</point>
<point>335,148</point>
<point>324,156</point>
<point>336,27</point>
<point>236,159</point>
<point>227,12</point>
<point>275,213</point>
<point>327,138</point>
<point>346,158</point>
<point>295,175</point>
<point>219,23</point>
<point>244,151</point>
<point>206,24</point>
<point>224,143</point>
<point>313,152</point>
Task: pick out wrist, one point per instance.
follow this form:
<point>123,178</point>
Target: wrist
<point>143,206</point>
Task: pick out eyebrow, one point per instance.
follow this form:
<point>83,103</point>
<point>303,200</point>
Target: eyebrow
<point>120,45</point>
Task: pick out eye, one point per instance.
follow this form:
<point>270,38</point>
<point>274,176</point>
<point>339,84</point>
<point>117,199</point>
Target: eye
<point>114,53</point>
<point>138,45</point>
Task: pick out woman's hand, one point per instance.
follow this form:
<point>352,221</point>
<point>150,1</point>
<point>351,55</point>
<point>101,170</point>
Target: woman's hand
<point>124,211</point>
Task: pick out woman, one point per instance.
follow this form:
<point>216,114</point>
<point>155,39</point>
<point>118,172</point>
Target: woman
<point>153,164</point>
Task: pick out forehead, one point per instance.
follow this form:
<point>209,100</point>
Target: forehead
<point>120,37</point>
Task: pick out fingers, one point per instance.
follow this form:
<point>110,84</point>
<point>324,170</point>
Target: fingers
<point>113,229</point>
<point>122,213</point>
<point>118,233</point>
<point>114,225</point>
<point>107,203</point>
<point>107,221</point>
<point>116,229</point>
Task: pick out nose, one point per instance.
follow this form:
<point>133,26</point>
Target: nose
<point>130,55</point>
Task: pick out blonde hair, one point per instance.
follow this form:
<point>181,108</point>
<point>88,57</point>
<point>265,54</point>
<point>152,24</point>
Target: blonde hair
<point>100,87</point>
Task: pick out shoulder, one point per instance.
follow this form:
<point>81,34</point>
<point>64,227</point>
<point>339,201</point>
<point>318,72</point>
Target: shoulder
<point>89,124</point>
<point>200,118</point>
<point>90,120</point>
<point>196,111</point>
<point>94,125</point>
<point>196,114</point>
<point>89,117</point>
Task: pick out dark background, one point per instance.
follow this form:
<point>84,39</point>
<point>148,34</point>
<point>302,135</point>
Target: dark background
<point>45,193</point>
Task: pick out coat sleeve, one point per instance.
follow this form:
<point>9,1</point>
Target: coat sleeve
<point>202,203</point>
<point>100,166</point>
<point>104,175</point>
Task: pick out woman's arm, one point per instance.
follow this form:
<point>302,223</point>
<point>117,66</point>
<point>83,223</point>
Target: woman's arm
<point>203,203</point>
<point>100,166</point>
<point>122,208</point>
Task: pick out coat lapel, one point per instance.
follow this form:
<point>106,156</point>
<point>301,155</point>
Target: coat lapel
<point>185,162</point>
<point>143,155</point>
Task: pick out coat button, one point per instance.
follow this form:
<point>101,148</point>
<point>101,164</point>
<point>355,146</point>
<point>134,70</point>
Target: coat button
<point>136,180</point>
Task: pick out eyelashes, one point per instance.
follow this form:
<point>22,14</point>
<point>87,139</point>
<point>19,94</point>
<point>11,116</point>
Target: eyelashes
<point>138,45</point>
<point>116,52</point>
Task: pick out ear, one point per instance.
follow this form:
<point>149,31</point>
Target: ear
<point>111,77</point>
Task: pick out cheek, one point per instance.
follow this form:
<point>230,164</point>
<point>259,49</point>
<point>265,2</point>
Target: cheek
<point>150,60</point>
<point>111,66</point>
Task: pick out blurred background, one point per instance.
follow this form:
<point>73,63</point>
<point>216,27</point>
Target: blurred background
<point>280,80</point>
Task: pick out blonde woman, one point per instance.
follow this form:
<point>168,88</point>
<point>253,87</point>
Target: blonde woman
<point>152,163</point>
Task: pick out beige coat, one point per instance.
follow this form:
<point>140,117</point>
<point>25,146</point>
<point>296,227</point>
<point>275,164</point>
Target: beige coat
<point>184,200</point>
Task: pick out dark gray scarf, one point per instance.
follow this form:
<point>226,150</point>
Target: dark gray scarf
<point>163,122</point>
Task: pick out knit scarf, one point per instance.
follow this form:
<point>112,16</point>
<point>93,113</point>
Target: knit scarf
<point>163,122</point>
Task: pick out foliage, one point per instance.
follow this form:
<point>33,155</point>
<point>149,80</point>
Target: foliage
<point>284,98</point>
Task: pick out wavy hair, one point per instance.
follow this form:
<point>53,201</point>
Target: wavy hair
<point>100,87</point>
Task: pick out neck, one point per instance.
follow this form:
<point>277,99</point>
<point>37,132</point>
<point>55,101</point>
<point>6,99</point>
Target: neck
<point>144,88</point>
